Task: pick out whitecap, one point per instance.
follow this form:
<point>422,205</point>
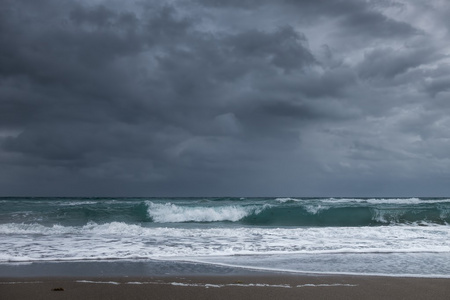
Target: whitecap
<point>285,200</point>
<point>171,213</point>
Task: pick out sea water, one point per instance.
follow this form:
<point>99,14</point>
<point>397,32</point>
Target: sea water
<point>377,236</point>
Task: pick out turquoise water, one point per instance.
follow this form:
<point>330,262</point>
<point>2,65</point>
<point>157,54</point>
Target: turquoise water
<point>389,236</point>
<point>314,212</point>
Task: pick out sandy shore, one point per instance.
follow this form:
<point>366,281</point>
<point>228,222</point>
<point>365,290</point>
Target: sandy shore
<point>268,286</point>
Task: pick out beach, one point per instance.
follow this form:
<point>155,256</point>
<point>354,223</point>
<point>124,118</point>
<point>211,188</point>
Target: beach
<point>263,286</point>
<point>187,280</point>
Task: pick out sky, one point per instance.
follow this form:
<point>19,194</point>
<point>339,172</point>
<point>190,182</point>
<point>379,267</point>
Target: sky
<point>225,98</point>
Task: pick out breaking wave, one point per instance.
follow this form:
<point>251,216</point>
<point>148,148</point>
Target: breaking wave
<point>171,213</point>
<point>309,212</point>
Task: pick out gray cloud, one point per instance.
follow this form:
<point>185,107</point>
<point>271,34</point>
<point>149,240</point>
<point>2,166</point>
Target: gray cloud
<point>388,62</point>
<point>191,98</point>
<point>438,85</point>
<point>374,24</point>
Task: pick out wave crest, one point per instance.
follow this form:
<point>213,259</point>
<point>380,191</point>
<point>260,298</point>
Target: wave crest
<point>171,213</point>
<point>287,200</point>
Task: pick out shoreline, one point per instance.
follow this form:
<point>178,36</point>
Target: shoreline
<point>259,286</point>
<point>153,279</point>
<point>161,268</point>
<point>155,267</point>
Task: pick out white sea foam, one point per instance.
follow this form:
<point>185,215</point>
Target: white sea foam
<point>284,200</point>
<point>77,203</point>
<point>315,209</point>
<point>325,285</point>
<point>171,213</point>
<point>118,240</point>
<point>404,201</point>
<point>243,246</point>
<point>99,282</point>
<point>389,216</point>
<point>207,285</point>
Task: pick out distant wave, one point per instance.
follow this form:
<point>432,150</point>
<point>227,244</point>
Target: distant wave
<point>385,200</point>
<point>285,200</point>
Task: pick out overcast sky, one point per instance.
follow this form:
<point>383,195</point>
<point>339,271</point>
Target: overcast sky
<point>225,98</point>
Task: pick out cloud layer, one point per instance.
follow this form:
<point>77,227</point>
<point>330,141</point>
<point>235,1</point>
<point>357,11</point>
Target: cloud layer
<point>240,98</point>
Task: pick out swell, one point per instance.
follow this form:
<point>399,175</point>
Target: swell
<point>257,212</point>
<point>75,213</point>
<point>346,216</point>
<point>301,214</point>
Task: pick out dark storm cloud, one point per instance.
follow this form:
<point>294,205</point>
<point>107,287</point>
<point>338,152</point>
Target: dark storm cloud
<point>437,86</point>
<point>215,97</point>
<point>363,18</point>
<point>374,24</point>
<point>388,62</point>
<point>283,48</point>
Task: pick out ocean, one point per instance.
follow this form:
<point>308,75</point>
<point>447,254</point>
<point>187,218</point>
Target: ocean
<point>366,236</point>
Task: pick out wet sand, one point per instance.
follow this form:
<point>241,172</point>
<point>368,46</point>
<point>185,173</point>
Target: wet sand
<point>261,287</point>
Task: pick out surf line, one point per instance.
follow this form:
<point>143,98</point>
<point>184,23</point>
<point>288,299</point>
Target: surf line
<point>208,285</point>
